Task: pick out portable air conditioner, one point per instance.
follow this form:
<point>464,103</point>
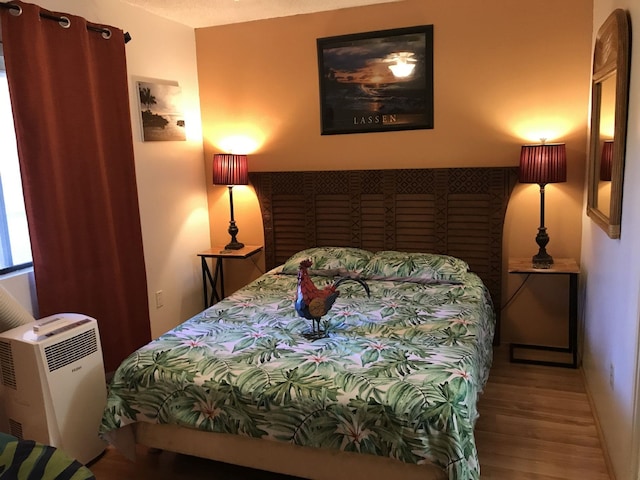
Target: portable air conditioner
<point>53,385</point>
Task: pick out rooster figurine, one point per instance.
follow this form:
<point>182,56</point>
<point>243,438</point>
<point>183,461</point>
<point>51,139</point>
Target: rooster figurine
<point>313,303</point>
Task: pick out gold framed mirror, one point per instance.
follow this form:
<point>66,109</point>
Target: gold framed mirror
<point>607,139</point>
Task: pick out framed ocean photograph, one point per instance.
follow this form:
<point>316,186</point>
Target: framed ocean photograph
<point>376,81</point>
<point>161,111</point>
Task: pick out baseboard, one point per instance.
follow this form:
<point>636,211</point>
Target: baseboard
<point>596,421</point>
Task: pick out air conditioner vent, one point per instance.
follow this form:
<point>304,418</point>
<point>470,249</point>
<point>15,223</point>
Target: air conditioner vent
<point>70,350</point>
<point>15,429</point>
<point>6,365</point>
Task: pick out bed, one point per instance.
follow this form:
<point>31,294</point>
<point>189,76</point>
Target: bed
<point>391,391</point>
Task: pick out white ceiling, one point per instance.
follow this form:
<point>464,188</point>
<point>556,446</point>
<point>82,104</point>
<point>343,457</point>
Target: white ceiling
<point>206,13</point>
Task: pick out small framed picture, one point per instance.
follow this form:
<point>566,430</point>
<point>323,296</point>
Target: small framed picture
<point>161,111</point>
<point>376,81</point>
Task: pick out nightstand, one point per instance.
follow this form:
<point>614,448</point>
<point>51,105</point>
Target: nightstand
<point>561,266</point>
<point>216,281</point>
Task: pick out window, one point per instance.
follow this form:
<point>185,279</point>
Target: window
<point>15,247</point>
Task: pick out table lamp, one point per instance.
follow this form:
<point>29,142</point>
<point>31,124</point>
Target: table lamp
<point>542,164</point>
<point>230,170</point>
<point>606,160</point>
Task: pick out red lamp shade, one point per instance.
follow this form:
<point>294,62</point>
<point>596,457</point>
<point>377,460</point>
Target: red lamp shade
<point>605,161</point>
<point>230,169</point>
<point>542,164</point>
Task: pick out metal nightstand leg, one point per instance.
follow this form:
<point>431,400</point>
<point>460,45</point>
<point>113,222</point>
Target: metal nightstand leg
<point>573,335</point>
<point>211,281</point>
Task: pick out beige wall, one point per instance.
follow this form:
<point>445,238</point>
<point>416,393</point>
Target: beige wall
<point>505,74</point>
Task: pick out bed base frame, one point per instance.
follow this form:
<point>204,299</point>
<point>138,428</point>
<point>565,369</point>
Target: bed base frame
<point>272,456</point>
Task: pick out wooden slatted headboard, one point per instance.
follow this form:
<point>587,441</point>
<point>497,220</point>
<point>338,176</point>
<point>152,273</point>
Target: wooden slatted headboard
<point>453,211</point>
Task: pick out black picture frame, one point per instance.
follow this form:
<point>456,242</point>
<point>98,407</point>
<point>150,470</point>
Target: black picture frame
<point>358,91</point>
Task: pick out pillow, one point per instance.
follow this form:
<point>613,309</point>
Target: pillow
<point>415,267</point>
<point>329,261</point>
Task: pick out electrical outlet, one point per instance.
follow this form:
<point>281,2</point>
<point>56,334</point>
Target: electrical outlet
<point>611,375</point>
<point>159,299</point>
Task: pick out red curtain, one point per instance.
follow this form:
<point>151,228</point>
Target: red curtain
<point>68,89</point>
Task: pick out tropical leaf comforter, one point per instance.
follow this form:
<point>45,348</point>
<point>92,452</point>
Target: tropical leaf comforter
<point>398,374</point>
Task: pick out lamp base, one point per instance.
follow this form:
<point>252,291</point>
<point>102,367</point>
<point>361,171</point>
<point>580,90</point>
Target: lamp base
<point>234,246</point>
<point>542,260</point>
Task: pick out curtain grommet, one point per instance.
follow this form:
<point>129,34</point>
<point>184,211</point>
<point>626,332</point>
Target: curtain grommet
<point>64,22</point>
<point>106,33</point>
<point>15,10</point>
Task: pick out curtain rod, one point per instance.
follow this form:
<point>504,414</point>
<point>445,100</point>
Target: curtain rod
<point>64,20</point>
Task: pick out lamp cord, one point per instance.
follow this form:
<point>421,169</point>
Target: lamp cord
<point>513,295</point>
<point>257,266</point>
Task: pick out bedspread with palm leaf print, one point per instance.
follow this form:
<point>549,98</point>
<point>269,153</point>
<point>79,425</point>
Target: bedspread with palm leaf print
<point>398,374</point>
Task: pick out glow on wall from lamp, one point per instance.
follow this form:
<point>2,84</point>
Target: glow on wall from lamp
<point>531,130</point>
<point>238,137</point>
<point>238,144</point>
<point>607,123</point>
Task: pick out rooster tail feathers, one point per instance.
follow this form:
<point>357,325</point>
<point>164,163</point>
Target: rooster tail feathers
<point>357,280</point>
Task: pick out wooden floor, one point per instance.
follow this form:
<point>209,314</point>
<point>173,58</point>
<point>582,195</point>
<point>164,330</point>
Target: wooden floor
<point>535,423</point>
